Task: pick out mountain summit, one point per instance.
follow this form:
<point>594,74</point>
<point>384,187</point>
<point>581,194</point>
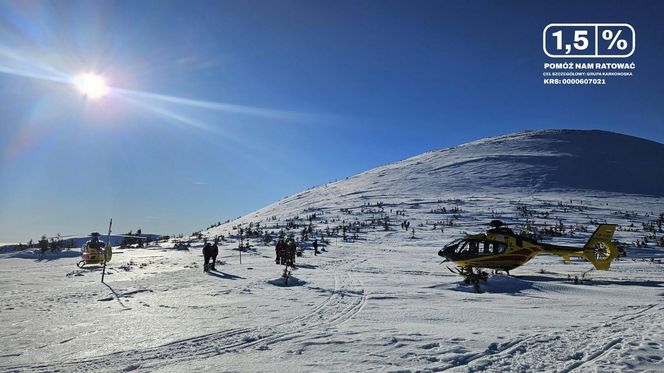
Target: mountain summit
<point>530,162</point>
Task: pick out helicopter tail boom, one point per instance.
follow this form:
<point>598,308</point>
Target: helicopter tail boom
<point>600,250</point>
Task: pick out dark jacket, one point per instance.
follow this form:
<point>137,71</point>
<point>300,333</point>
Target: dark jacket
<point>207,250</point>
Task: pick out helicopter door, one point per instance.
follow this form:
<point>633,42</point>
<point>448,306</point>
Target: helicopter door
<point>473,246</point>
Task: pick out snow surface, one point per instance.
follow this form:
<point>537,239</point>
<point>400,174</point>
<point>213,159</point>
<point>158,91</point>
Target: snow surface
<point>380,301</point>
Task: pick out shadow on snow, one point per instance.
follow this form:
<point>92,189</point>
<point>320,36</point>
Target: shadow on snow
<point>225,276</point>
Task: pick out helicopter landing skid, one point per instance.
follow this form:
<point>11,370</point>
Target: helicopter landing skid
<point>471,276</point>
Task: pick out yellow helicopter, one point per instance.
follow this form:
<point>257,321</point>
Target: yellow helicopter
<point>95,251</point>
<point>501,249</point>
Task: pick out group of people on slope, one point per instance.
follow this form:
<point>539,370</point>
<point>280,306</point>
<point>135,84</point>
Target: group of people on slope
<point>286,251</point>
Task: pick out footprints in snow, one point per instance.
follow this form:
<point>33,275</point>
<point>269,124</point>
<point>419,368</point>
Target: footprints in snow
<point>629,342</point>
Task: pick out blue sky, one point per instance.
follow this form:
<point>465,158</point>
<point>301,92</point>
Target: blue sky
<point>220,108</point>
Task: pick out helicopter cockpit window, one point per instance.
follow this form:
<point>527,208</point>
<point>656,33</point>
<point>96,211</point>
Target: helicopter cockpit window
<point>462,248</point>
<point>454,245</point>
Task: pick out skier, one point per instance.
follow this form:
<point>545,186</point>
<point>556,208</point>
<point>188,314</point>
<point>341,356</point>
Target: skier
<point>315,246</point>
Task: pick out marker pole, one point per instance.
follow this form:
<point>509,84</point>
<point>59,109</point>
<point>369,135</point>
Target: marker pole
<point>108,246</point>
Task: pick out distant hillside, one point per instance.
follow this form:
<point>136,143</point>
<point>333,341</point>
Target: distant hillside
<point>79,241</point>
<point>115,240</point>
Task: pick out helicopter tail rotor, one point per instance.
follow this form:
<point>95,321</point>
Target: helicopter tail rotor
<point>600,250</point>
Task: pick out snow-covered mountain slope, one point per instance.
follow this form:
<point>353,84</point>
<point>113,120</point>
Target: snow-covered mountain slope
<point>377,298</point>
<point>551,162</point>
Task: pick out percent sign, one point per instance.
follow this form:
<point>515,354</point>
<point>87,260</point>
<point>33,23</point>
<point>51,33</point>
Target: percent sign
<point>614,39</point>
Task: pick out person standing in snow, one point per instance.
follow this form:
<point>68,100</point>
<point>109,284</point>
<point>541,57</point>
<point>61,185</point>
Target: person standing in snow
<point>207,254</point>
<point>279,248</point>
<point>292,249</point>
<point>315,246</point>
<point>214,251</point>
<point>284,252</point>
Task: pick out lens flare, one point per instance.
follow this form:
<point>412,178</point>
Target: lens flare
<point>91,85</point>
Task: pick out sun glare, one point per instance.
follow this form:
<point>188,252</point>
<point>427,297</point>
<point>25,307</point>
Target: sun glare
<point>91,85</point>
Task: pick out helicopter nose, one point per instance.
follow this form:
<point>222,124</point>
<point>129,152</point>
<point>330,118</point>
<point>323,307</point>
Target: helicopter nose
<point>442,253</point>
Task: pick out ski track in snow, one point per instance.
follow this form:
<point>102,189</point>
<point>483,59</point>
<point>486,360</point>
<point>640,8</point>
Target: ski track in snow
<point>619,340</point>
<point>625,338</point>
<point>605,347</point>
<point>344,302</point>
<point>607,344</point>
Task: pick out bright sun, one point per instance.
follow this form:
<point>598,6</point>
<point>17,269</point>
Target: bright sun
<point>91,85</point>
